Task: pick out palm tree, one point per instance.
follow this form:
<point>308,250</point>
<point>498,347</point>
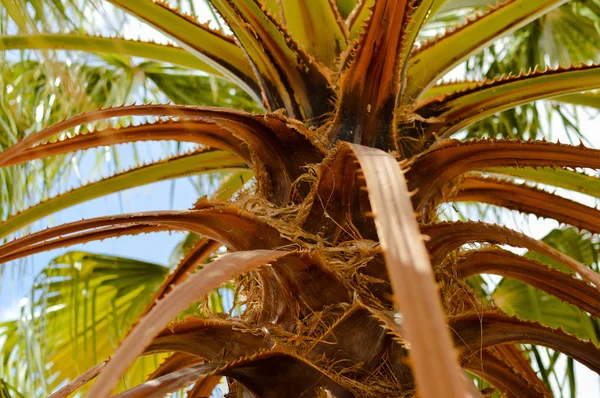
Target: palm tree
<point>355,150</point>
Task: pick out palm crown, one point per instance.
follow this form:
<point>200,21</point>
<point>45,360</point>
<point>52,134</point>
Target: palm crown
<point>353,159</point>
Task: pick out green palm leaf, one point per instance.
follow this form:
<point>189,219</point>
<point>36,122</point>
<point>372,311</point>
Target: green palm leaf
<point>86,304</point>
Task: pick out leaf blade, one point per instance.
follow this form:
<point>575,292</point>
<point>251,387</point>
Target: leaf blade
<point>561,178</point>
<point>509,265</point>
<point>370,85</point>
<point>104,45</point>
<point>288,76</point>
<point>470,38</point>
<point>318,27</point>
<point>190,164</point>
<point>458,110</point>
<point>217,50</point>
<point>411,276</point>
<point>527,199</point>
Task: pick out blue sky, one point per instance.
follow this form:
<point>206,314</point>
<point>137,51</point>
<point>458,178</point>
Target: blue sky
<point>17,278</point>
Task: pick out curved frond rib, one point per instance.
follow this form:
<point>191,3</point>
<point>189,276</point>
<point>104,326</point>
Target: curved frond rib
<point>212,340</point>
<point>17,249</point>
<point>175,362</point>
<point>458,110</point>
<point>419,12</point>
<point>199,253</point>
<point>501,375</point>
<point>197,131</point>
<point>103,45</point>
<point>159,110</point>
<point>458,44</point>
<point>590,98</point>
<point>412,280</point>
<point>267,374</point>
<point>528,199</point>
<point>277,149</point>
<point>179,166</point>
<point>540,276</point>
<point>201,250</point>
<point>513,356</point>
<point>180,298</point>
<point>171,382</point>
<point>229,225</point>
<point>217,50</point>
<point>204,386</point>
<point>451,158</point>
<point>80,381</point>
<point>274,375</point>
<point>449,236</point>
<point>474,332</point>
<point>506,375</point>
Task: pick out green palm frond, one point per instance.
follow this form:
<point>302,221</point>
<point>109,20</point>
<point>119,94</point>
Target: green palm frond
<point>65,14</point>
<point>83,304</point>
<point>568,34</point>
<point>526,302</point>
